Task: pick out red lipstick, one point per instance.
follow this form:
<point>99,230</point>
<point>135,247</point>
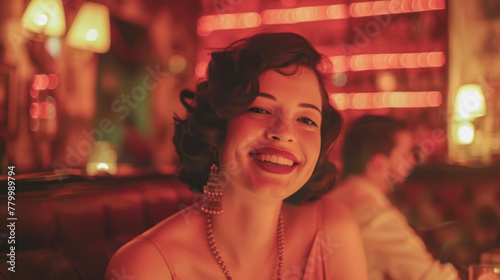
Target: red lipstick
<point>274,167</point>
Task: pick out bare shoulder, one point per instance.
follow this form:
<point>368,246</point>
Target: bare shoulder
<point>342,231</point>
<point>180,226</point>
<point>137,259</point>
<point>336,214</point>
<point>146,256</point>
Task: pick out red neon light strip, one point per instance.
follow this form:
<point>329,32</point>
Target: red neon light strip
<point>210,23</point>
<point>387,61</point>
<point>374,8</point>
<point>207,24</point>
<point>372,62</point>
<point>378,100</point>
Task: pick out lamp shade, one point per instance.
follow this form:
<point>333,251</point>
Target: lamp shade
<point>45,17</point>
<point>90,29</point>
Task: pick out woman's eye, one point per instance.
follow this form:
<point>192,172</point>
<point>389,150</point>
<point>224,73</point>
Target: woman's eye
<point>308,121</point>
<point>258,110</point>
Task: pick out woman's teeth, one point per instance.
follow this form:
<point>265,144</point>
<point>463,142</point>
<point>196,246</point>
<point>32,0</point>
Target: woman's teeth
<point>274,159</point>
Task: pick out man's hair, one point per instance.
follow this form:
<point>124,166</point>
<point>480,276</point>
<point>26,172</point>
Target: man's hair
<point>366,137</point>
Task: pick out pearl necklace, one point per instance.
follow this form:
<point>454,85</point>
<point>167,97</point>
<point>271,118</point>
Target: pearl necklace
<point>215,252</point>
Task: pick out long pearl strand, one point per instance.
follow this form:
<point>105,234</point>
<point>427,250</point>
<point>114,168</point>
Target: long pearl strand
<point>218,258</point>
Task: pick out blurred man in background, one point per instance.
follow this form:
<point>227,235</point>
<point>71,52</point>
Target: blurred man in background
<point>377,154</point>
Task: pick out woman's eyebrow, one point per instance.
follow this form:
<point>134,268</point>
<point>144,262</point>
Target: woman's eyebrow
<point>303,105</point>
<point>267,95</point>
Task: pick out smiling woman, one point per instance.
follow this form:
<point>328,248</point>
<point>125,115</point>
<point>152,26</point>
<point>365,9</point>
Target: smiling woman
<point>257,136</point>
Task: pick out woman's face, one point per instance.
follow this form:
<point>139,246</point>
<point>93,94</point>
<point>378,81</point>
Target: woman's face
<point>271,148</point>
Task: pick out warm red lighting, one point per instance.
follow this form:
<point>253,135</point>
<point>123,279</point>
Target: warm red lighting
<point>363,101</point>
<point>288,3</point>
<point>357,101</point>
<point>43,110</point>
<point>201,69</point>
<point>437,4</point>
<point>367,8</point>
<point>34,92</point>
<point>339,63</point>
<point>34,124</point>
<point>435,59</point>
<point>208,24</point>
<point>421,100</point>
<point>53,81</point>
<point>336,11</point>
<point>304,14</point>
<point>354,10</point>
<point>385,100</point>
<point>393,60</point>
<point>50,108</point>
<point>379,62</point>
<point>229,21</point>
<point>380,7</point>
<point>339,101</point>
<point>422,59</point>
<point>364,62</point>
<point>373,8</point>
<point>434,99</point>
<point>269,16</point>
<point>416,5</point>
<point>249,20</point>
<point>35,110</point>
<point>40,82</point>
<point>51,111</point>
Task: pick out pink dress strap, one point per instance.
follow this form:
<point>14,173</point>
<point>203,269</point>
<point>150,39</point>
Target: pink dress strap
<point>160,250</point>
<point>316,266</point>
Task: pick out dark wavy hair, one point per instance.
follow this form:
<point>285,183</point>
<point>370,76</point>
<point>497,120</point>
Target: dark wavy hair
<point>231,86</point>
<point>367,136</point>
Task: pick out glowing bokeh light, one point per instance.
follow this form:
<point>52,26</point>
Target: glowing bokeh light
<point>201,69</point>
<point>53,46</point>
<point>469,102</point>
<point>102,166</point>
<point>465,133</point>
<point>44,110</point>
<point>40,82</point>
<point>34,124</point>
<point>53,81</point>
<point>177,64</point>
<point>92,35</point>
<point>35,110</point>
<point>42,19</point>
<point>50,107</point>
<point>34,92</point>
<point>336,11</point>
<point>339,79</point>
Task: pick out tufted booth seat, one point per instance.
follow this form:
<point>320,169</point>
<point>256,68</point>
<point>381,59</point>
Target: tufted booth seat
<point>70,229</point>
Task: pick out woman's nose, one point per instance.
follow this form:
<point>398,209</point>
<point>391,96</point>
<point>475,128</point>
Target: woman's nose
<point>280,129</point>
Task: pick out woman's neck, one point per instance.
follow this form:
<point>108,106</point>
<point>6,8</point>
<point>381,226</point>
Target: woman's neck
<point>247,228</point>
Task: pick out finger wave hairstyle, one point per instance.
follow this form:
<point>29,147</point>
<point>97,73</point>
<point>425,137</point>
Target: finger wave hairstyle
<point>231,86</point>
